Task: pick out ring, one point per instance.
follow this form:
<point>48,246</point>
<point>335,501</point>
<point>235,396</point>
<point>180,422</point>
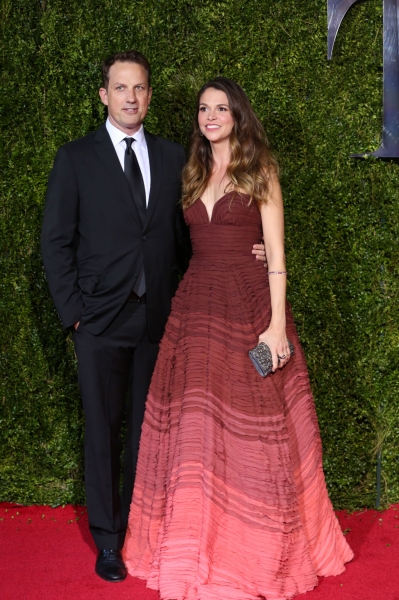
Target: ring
<point>281,357</point>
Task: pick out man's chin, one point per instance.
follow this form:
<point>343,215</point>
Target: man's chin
<point>129,126</point>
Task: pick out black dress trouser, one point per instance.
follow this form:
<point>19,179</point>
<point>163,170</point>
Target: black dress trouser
<point>115,370</point>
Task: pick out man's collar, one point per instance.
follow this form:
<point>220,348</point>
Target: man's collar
<point>117,135</point>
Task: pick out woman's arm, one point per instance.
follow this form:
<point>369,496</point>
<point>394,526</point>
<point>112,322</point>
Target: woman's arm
<point>272,214</point>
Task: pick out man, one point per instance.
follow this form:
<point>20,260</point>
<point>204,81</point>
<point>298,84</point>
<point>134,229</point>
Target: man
<point>113,239</point>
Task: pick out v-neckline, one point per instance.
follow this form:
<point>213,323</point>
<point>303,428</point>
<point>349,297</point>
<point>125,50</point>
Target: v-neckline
<point>214,206</point>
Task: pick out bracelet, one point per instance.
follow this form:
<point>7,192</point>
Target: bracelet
<point>277,272</point>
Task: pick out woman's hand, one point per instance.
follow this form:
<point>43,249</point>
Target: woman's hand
<point>276,339</point>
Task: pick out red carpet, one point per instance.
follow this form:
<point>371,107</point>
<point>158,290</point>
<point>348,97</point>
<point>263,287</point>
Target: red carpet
<point>48,554</point>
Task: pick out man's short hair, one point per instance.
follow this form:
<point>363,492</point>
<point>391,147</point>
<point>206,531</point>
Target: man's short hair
<point>132,56</point>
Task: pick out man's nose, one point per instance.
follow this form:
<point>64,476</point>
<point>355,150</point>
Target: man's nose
<point>131,95</point>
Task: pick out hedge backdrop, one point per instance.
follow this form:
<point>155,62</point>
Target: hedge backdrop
<point>342,214</point>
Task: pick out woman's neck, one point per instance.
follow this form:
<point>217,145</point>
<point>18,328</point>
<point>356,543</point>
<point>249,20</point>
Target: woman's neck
<point>220,155</point>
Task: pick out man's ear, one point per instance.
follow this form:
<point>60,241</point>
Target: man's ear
<point>103,95</point>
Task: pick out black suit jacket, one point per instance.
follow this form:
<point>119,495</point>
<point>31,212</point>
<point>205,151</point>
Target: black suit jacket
<point>93,241</point>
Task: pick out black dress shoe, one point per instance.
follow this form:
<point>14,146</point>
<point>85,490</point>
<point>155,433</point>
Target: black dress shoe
<point>110,566</point>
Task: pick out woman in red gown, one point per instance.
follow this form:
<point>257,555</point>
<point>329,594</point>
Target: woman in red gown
<point>230,501</point>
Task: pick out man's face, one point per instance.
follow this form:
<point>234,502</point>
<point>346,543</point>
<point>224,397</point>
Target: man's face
<point>127,97</point>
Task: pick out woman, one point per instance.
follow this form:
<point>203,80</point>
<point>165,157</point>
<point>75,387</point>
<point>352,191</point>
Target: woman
<point>230,499</point>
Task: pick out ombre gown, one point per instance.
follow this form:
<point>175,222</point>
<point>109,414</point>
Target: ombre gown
<point>230,501</point>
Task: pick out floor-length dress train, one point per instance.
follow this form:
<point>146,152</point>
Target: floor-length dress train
<point>230,501</point>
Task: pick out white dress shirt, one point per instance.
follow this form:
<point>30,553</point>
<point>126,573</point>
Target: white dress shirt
<point>139,147</point>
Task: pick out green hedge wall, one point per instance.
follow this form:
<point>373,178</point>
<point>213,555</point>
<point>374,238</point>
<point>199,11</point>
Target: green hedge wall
<point>342,214</point>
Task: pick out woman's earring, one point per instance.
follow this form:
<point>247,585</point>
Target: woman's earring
<point>201,134</point>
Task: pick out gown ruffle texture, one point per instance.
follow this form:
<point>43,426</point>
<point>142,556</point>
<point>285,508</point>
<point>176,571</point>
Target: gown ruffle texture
<point>230,501</point>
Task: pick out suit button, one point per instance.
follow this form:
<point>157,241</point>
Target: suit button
<point>144,238</point>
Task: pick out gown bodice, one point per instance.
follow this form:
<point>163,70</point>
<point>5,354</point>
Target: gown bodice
<point>231,232</point>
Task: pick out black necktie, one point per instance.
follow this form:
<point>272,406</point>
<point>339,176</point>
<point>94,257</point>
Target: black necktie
<point>136,183</point>
<point>135,178</point>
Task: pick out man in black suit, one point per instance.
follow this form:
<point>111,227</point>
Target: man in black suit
<point>112,238</point>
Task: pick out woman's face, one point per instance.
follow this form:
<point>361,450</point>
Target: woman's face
<point>214,116</point>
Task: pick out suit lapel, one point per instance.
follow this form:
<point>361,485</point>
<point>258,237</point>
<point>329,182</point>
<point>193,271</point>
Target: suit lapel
<point>109,158</point>
<point>156,161</point>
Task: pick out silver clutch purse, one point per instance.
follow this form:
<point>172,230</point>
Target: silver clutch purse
<point>262,357</point>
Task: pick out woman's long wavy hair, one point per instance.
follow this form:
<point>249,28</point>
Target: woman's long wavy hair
<point>252,163</point>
